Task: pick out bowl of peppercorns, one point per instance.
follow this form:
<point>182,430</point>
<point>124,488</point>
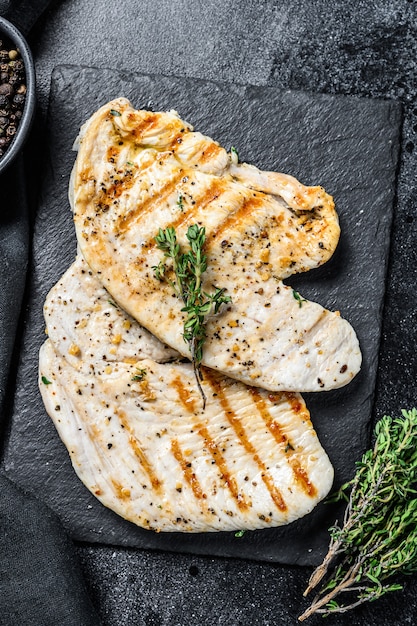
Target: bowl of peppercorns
<point>17,92</point>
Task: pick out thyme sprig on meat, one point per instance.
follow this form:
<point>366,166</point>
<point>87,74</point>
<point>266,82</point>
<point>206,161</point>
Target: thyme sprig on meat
<point>188,269</point>
<point>378,538</point>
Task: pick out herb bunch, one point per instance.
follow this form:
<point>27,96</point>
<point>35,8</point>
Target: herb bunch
<point>378,538</point>
<point>187,269</point>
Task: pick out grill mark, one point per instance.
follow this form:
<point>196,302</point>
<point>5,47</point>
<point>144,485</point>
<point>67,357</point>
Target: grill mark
<point>110,192</point>
<point>184,218</point>
<point>221,463</point>
<point>237,426</point>
<point>138,127</point>
<point>300,474</point>
<point>296,405</point>
<point>106,197</point>
<point>187,470</point>
<point>146,464</point>
<point>176,139</point>
<point>107,193</point>
<point>184,394</point>
<point>210,194</point>
<point>95,441</point>
<point>210,150</point>
<point>263,411</point>
<point>123,493</point>
<point>150,204</point>
<point>237,216</point>
<point>316,325</point>
<point>302,478</point>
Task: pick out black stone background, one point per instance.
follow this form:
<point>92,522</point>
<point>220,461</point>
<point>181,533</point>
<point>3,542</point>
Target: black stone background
<point>350,145</point>
<point>361,48</point>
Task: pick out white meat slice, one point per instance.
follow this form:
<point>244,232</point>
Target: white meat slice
<point>138,171</point>
<point>140,442</point>
<point>83,321</point>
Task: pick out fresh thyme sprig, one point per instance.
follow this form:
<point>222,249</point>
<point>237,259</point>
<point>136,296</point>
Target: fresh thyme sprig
<point>378,538</point>
<point>188,269</point>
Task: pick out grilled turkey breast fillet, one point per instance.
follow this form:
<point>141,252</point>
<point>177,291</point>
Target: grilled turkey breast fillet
<point>139,441</point>
<point>138,171</point>
<point>82,319</point>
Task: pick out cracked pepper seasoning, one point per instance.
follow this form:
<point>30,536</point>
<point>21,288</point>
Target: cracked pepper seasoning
<point>12,93</point>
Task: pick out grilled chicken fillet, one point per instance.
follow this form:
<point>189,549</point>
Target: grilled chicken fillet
<point>138,171</point>
<point>132,423</point>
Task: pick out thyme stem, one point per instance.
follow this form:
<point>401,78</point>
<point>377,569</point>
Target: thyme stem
<point>378,538</point>
<point>188,269</point>
<point>318,602</point>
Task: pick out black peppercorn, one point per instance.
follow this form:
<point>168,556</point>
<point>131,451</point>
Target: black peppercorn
<point>6,89</point>
<point>18,100</point>
<point>14,79</point>
<point>12,93</point>
<point>4,102</point>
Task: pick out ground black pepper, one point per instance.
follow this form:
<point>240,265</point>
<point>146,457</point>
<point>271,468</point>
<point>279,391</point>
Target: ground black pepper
<point>12,92</point>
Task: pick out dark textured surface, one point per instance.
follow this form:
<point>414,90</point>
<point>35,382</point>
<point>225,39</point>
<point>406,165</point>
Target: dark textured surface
<point>33,545</point>
<point>23,13</point>
<point>362,48</point>
<point>14,251</point>
<point>349,145</point>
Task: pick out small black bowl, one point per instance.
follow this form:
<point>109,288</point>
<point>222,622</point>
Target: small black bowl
<point>9,31</point>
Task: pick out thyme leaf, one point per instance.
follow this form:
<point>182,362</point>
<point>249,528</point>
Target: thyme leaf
<point>298,297</point>
<point>140,374</point>
<point>378,538</point>
<point>234,155</point>
<point>180,202</point>
<point>184,274</point>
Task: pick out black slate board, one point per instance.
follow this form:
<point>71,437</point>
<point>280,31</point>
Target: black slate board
<point>350,146</point>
